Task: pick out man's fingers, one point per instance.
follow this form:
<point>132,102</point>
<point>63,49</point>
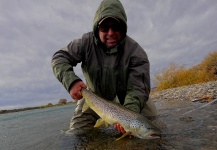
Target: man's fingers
<point>122,130</point>
<point>77,96</point>
<point>119,128</point>
<point>75,90</point>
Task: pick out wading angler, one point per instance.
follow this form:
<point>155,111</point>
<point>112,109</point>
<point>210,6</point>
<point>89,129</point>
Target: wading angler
<point>114,65</point>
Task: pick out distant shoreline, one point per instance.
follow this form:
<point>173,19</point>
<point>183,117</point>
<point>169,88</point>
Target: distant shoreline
<point>206,90</point>
<point>32,108</point>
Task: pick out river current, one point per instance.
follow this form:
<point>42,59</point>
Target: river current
<point>35,129</point>
<point>185,125</point>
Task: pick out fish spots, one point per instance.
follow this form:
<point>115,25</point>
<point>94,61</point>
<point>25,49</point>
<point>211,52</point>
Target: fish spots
<point>135,124</point>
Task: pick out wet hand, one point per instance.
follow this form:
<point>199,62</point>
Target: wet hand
<point>75,91</point>
<point>119,128</point>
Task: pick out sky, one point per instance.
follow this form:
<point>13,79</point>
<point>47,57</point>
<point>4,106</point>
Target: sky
<point>31,31</point>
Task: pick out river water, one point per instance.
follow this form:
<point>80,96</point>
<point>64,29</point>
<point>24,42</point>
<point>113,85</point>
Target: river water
<point>185,126</point>
<point>34,129</point>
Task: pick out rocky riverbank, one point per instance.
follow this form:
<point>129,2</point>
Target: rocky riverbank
<point>193,92</point>
<point>202,91</point>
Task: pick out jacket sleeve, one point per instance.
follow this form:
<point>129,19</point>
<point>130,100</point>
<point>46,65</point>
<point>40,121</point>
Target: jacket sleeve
<point>64,60</point>
<point>138,85</point>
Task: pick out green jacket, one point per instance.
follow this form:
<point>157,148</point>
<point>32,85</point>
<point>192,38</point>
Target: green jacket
<point>122,71</point>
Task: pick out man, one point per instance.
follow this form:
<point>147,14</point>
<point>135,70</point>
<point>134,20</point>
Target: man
<point>113,64</point>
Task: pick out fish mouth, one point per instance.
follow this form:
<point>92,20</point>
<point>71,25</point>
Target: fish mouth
<point>152,134</point>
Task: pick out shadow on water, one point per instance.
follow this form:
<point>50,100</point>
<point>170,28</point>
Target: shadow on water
<point>104,139</point>
<point>185,125</point>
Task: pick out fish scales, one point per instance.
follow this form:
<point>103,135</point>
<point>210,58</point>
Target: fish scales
<point>108,109</point>
<point>112,113</point>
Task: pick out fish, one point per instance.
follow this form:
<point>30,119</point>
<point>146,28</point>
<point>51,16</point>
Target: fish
<point>111,113</point>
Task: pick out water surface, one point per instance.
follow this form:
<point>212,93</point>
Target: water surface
<point>185,125</point>
<point>34,129</point>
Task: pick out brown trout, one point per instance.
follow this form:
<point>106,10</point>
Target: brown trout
<point>111,113</point>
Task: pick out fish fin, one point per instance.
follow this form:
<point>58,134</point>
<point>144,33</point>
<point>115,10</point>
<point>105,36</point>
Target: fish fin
<point>125,134</point>
<point>99,123</point>
<point>85,107</point>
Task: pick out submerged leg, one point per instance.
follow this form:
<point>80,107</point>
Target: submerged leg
<point>83,120</point>
<point>149,109</point>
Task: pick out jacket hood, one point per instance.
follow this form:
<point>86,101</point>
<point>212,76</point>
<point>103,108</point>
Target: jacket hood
<point>109,8</point>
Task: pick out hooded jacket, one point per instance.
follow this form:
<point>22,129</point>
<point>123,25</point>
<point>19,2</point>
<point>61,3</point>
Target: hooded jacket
<point>122,71</point>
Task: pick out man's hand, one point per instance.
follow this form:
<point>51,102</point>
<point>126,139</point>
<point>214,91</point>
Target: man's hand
<point>119,128</point>
<point>75,90</point>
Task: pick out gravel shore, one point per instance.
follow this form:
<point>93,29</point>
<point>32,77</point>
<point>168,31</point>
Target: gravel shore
<point>200,91</point>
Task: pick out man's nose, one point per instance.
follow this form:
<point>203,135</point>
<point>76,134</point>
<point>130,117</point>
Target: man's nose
<point>110,31</point>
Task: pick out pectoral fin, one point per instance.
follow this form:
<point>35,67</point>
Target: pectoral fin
<point>125,134</point>
<point>85,107</point>
<point>100,122</point>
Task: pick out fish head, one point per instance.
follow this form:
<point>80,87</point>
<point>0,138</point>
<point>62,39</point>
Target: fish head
<point>144,130</point>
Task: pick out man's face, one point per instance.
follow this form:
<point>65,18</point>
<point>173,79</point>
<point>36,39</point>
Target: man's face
<point>110,32</point>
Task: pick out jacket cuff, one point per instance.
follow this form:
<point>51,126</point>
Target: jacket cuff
<point>65,74</point>
<point>72,84</point>
<point>134,108</point>
<point>69,79</point>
